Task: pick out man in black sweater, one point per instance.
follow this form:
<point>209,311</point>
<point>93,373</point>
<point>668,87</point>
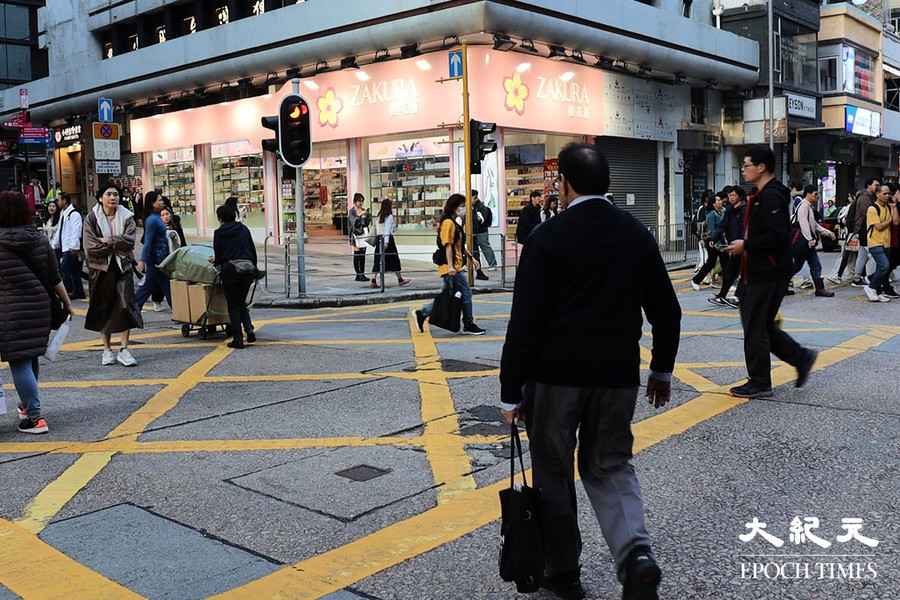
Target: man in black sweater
<point>571,362</point>
<point>529,218</point>
<point>766,266</point>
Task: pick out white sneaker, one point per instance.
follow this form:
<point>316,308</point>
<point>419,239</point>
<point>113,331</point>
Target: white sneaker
<point>884,298</point>
<point>835,279</point>
<point>158,307</point>
<point>870,294</point>
<point>125,358</point>
<point>806,284</point>
<point>108,358</point>
<point>696,286</point>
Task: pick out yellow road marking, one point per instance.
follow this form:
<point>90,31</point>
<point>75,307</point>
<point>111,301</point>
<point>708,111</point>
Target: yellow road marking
<point>446,454</point>
<point>37,570</point>
<point>52,498</point>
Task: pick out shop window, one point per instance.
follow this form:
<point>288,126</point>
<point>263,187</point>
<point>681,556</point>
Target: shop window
<point>173,175</point>
<point>892,94</point>
<point>414,175</point>
<point>237,171</point>
<point>828,75</point>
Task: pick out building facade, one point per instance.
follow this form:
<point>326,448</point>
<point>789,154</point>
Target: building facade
<point>190,81</point>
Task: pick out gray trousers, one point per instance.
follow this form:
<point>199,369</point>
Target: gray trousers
<point>483,244</point>
<point>862,258</point>
<point>601,419</point>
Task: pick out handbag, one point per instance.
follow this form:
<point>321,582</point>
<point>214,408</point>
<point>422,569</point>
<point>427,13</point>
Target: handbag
<point>243,268</point>
<point>521,540</point>
<point>447,308</point>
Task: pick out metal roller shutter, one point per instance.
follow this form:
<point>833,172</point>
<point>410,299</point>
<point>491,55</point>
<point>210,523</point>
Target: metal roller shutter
<point>633,169</point>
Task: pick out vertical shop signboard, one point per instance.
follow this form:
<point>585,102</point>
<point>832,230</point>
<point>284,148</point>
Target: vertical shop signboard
<point>107,149</point>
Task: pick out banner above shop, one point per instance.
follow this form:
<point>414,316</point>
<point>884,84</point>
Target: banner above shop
<point>523,92</point>
<point>378,99</point>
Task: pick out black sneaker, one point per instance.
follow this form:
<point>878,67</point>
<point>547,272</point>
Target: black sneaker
<point>890,292</point>
<point>473,329</point>
<point>420,320</point>
<point>859,282</point>
<point>717,301</point>
<point>565,585</point>
<point>481,276</point>
<point>362,278</point>
<point>251,337</point>
<point>805,367</point>
<point>642,577</point>
<point>732,303</point>
<point>751,390</point>
<point>34,426</point>
<point>236,344</point>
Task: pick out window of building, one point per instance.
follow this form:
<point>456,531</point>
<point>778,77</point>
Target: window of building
<point>828,75</point>
<point>686,8</point>
<point>892,94</point>
<point>16,22</point>
<point>108,50</point>
<point>133,42</point>
<point>18,61</point>
<point>895,20</point>
<point>798,61</point>
<point>698,105</point>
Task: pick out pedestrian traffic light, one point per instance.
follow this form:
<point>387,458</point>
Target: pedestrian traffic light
<point>293,141</point>
<point>294,125</point>
<point>481,146</point>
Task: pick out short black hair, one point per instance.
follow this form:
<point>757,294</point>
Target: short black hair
<point>762,155</point>
<point>226,214</point>
<point>739,191</point>
<point>109,186</point>
<point>474,193</point>
<point>797,185</point>
<point>810,189</point>
<point>14,210</point>
<point>536,194</point>
<point>585,168</point>
<point>871,180</point>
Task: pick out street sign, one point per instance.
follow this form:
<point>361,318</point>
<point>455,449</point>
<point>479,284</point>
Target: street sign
<point>108,167</point>
<point>20,121</point>
<point>455,63</point>
<point>105,110</point>
<point>106,141</point>
<point>23,98</point>
<point>34,135</point>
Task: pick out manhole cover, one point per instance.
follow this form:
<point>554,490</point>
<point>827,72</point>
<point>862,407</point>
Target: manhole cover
<point>362,472</point>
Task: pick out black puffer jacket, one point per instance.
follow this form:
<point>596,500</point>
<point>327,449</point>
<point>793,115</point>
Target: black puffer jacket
<point>24,299</point>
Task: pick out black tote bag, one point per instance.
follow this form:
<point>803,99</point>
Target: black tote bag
<point>521,541</point>
<point>447,308</point>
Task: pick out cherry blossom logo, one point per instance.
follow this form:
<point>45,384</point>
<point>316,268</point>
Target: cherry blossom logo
<point>330,107</point>
<point>516,93</point>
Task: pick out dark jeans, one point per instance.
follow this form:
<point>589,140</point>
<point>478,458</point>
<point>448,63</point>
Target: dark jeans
<point>601,417</point>
<point>70,269</point>
<point>236,291</point>
<point>730,271</point>
<point>154,281</point>
<point>711,258</point>
<point>760,302</point>
<point>879,280</point>
<point>802,253</point>
<point>25,377</point>
<point>359,261</point>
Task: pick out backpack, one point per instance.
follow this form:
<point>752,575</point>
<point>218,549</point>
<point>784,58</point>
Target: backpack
<point>440,255</point>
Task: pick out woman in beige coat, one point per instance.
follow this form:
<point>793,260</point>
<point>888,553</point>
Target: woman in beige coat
<point>109,236</point>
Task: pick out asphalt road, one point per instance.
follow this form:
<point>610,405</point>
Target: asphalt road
<point>346,456</point>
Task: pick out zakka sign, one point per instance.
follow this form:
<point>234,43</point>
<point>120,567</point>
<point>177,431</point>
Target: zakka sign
<point>515,90</point>
<point>384,98</point>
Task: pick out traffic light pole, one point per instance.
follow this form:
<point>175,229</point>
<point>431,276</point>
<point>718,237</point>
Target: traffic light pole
<point>467,137</point>
<point>300,207</point>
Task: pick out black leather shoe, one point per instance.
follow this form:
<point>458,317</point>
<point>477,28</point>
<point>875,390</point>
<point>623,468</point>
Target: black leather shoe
<point>251,337</point>
<point>565,585</point>
<point>420,321</point>
<point>236,344</point>
<point>482,277</point>
<point>751,390</point>
<point>805,367</point>
<point>642,577</point>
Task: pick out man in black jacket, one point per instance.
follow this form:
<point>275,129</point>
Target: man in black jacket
<point>766,266</point>
<point>734,230</point>
<point>571,362</point>
<point>482,219</point>
<point>529,218</point>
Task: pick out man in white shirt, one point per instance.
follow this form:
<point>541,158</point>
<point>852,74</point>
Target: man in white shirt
<point>69,244</point>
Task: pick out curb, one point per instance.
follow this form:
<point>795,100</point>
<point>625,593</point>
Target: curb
<point>311,302</point>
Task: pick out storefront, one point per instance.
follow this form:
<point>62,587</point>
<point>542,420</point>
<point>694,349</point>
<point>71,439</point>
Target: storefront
<point>173,176</point>
<point>389,131</point>
<point>68,162</point>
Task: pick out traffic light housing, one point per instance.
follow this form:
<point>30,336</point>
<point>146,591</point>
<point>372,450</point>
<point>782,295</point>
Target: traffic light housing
<point>293,140</point>
<point>481,145</point>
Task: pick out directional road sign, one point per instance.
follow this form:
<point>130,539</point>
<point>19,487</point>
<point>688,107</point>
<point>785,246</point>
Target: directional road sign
<point>455,63</point>
<point>105,110</point>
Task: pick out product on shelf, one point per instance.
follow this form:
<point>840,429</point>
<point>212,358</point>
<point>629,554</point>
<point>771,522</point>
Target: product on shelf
<point>417,186</point>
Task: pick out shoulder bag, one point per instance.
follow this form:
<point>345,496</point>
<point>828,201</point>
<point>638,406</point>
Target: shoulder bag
<point>521,540</point>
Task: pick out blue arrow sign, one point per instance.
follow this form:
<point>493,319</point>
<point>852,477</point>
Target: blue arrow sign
<point>105,110</point>
<point>455,63</point>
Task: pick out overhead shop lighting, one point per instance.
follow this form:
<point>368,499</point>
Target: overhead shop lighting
<point>349,63</point>
<point>321,67</point>
<point>382,55</point>
<point>410,51</point>
<point>527,46</point>
<point>503,42</point>
<point>558,53</point>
